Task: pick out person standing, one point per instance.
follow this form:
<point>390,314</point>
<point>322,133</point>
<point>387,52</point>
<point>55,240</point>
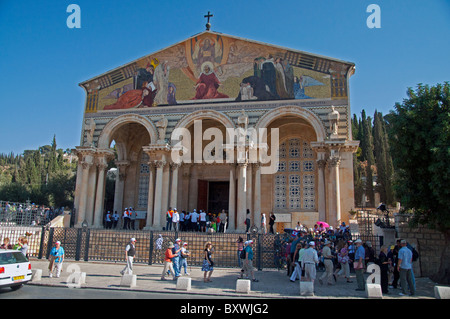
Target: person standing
<point>168,262</point>
<point>240,247</point>
<point>343,260</point>
<point>404,267</point>
<point>296,261</point>
<point>184,254</point>
<point>133,217</point>
<point>175,220</point>
<point>176,259</point>
<point>169,215</point>
<point>56,259</point>
<point>181,223</point>
<point>202,217</point>
<point>126,218</point>
<point>159,244</point>
<point>359,265</point>
<point>309,260</point>
<point>208,263</point>
<point>271,222</point>
<point>115,219</point>
<point>384,269</point>
<point>263,223</point>
<point>247,221</point>
<point>108,220</point>
<point>223,221</point>
<point>328,262</point>
<point>130,252</point>
<point>248,262</point>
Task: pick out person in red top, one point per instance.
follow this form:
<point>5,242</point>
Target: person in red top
<point>168,262</point>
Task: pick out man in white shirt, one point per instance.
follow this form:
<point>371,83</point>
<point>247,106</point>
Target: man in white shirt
<point>310,259</point>
<point>202,221</point>
<point>175,219</point>
<point>263,223</point>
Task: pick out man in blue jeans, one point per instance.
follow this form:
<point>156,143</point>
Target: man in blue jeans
<point>176,260</point>
<point>404,267</point>
<point>359,265</point>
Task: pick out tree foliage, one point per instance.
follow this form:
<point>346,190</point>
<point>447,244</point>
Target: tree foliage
<point>419,130</point>
<point>41,176</point>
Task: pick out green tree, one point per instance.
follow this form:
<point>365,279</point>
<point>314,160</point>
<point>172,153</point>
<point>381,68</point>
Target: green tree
<point>419,131</point>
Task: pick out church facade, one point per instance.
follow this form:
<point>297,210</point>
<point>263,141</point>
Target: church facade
<point>217,122</point>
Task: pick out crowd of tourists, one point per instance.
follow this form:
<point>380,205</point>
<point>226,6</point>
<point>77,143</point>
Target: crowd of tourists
<point>177,221</point>
<point>335,253</point>
<point>25,214</point>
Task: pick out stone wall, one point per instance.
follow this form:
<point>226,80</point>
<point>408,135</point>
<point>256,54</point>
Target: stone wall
<point>428,242</point>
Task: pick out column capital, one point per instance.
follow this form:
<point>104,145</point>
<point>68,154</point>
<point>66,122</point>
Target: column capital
<point>321,163</point>
<point>159,163</point>
<point>86,164</point>
<point>335,161</point>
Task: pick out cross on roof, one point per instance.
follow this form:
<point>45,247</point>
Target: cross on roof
<point>208,25</point>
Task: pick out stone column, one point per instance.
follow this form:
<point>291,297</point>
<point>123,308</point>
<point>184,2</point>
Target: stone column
<point>232,199</point>
<point>151,190</point>
<point>321,197</point>
<point>120,183</point>
<point>241,196</point>
<point>257,195</point>
<point>86,164</point>
<point>100,193</point>
<point>193,188</point>
<point>158,193</point>
<point>249,186</point>
<point>174,187</point>
<point>336,201</point>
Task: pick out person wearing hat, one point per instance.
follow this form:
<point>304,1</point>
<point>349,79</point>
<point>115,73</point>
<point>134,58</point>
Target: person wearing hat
<point>309,260</point>
<point>248,261</point>
<point>359,264</point>
<point>130,252</point>
<point>176,250</point>
<point>169,255</point>
<point>328,262</point>
<point>56,259</point>
<point>184,254</point>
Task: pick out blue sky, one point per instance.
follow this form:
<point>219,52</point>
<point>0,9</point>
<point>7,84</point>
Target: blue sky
<point>42,61</point>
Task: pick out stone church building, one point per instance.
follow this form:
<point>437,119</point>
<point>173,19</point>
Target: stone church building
<point>172,120</point>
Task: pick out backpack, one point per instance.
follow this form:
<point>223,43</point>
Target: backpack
<point>243,253</point>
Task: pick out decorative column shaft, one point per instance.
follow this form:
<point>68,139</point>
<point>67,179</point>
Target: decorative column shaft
<point>100,194</point>
<point>151,190</point>
<point>241,196</point>
<point>257,196</point>
<point>336,206</point>
<point>232,199</point>
<point>158,193</point>
<point>321,197</point>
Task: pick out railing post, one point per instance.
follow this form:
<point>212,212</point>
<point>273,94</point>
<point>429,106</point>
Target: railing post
<point>50,242</point>
<point>86,248</point>
<point>259,252</point>
<point>150,254</point>
<point>78,246</point>
<point>41,244</point>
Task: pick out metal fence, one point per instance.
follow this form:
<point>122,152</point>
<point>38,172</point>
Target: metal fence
<point>109,245</point>
<point>25,214</point>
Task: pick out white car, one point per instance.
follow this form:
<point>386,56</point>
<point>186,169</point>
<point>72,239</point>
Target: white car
<point>15,269</point>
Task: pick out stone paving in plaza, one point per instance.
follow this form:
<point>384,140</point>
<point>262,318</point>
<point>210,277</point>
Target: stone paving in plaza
<point>272,283</point>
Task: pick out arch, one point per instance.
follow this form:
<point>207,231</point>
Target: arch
<point>265,120</point>
<point>187,120</point>
<point>106,135</point>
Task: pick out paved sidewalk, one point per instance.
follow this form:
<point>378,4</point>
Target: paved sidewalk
<point>272,283</point>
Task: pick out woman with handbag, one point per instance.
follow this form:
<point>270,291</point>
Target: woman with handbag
<point>208,263</point>
<point>343,260</point>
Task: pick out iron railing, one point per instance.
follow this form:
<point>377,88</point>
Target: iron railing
<point>86,244</point>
